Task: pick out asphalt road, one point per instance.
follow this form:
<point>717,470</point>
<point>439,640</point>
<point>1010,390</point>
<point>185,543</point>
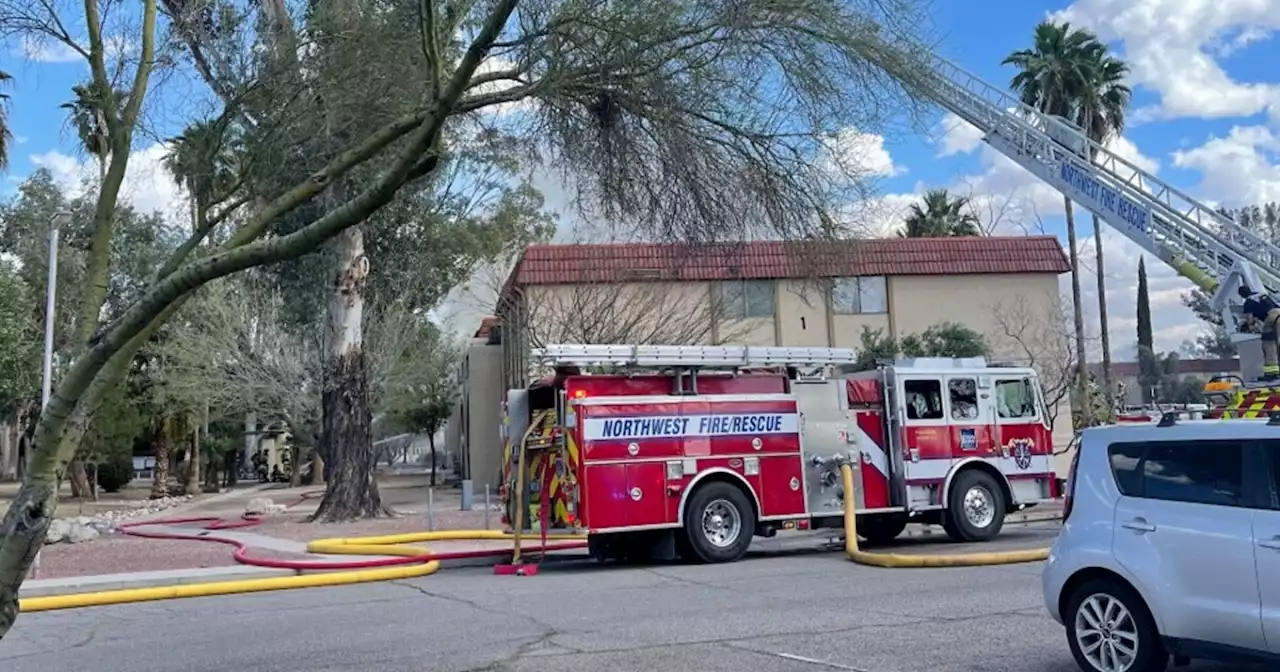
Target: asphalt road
<point>783,612</point>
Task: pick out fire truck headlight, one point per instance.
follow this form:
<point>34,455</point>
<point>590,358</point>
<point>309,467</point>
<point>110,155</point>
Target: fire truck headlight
<point>675,470</point>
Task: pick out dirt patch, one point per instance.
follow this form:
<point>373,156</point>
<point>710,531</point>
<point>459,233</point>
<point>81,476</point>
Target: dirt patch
<point>117,554</point>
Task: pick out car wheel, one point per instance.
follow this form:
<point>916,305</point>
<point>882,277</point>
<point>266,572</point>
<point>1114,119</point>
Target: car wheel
<point>719,523</point>
<point>881,529</point>
<point>975,507</point>
<point>1109,629</point>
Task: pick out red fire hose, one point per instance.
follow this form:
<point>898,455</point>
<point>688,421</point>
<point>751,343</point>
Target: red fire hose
<point>242,556</point>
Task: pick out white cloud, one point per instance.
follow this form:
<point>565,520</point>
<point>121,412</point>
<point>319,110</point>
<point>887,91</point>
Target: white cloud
<point>1237,169</point>
<point>957,136</point>
<point>147,186</point>
<point>858,155</point>
<point>1171,45</point>
<point>47,50</point>
<point>1171,322</point>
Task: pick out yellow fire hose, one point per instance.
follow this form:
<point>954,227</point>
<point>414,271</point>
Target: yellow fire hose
<point>391,545</point>
<point>894,560</point>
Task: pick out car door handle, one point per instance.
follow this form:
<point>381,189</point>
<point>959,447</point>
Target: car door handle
<point>1139,525</point>
<point>1273,543</point>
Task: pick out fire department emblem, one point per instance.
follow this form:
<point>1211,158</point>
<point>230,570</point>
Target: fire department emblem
<point>1020,450</point>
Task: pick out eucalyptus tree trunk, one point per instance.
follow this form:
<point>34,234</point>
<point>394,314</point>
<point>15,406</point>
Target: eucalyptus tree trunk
<point>8,466</point>
<point>346,435</point>
<point>192,485</point>
<point>161,444</point>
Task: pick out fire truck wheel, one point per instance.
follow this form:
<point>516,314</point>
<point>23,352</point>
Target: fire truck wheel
<point>976,507</point>
<point>719,523</point>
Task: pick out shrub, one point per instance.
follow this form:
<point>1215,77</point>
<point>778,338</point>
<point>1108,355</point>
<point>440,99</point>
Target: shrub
<point>115,473</point>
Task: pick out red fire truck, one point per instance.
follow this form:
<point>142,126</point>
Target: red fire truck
<point>658,451</point>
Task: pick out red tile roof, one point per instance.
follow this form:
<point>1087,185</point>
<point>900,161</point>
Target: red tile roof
<point>567,264</point>
<point>486,326</point>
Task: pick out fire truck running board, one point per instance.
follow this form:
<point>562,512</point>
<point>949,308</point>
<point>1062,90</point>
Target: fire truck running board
<point>711,356</point>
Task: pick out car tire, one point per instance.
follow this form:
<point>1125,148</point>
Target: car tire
<point>1132,621</point>
<point>882,529</point>
<point>719,523</point>
<point>975,507</point>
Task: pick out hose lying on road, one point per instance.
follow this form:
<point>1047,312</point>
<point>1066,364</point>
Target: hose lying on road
<point>406,562</point>
<point>895,560</point>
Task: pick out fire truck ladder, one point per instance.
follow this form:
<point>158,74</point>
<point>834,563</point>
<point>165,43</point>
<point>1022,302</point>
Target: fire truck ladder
<point>692,356</point>
<point>1199,243</point>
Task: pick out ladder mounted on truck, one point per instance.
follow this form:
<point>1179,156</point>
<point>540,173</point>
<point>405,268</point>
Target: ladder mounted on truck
<point>1200,243</point>
<point>693,356</point>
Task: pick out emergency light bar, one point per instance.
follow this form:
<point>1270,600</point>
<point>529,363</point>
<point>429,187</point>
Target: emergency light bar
<point>692,355</point>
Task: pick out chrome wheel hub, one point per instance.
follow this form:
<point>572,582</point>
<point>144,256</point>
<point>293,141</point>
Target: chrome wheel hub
<point>721,523</point>
<point>979,507</point>
<point>1106,633</point>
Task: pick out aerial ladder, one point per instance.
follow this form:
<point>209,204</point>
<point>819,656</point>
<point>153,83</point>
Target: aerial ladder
<point>1201,244</point>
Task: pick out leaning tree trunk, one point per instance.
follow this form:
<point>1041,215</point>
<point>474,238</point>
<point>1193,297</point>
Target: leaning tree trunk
<point>346,437</point>
<point>1109,393</point>
<point>1077,308</point>
<point>160,483</point>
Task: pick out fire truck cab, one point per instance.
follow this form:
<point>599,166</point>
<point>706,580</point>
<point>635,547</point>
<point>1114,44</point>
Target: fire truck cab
<point>661,451</point>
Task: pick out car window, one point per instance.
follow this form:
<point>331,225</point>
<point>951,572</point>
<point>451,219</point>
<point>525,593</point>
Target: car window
<point>1124,466</point>
<point>1199,472</point>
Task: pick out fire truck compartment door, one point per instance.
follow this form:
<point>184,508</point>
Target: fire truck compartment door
<point>626,495</point>
<point>826,431</point>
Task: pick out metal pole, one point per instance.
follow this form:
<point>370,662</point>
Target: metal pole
<point>50,300</point>
<point>431,509</point>
<point>486,506</point>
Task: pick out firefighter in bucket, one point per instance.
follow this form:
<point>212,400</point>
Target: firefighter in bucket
<point>1261,315</point>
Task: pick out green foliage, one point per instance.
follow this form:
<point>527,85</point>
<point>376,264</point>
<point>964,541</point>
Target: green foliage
<point>942,216</point>
<point>19,341</point>
<point>115,472</point>
<point>946,339</point>
<point>422,385</point>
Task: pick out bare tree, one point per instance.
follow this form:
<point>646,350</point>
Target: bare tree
<point>1041,339</point>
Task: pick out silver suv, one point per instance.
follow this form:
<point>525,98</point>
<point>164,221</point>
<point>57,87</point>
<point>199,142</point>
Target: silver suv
<point>1171,546</point>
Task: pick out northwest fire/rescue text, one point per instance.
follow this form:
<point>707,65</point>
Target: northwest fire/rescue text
<point>691,425</point>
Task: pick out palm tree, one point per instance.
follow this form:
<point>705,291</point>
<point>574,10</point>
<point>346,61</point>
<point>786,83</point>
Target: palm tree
<point>1101,113</point>
<point>88,114</point>
<point>1052,73</point>
<point>6,136</point>
<point>941,216</point>
<point>202,160</point>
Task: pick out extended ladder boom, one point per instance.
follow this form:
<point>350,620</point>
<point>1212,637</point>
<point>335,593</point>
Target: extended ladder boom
<point>711,356</point>
<point>1200,243</point>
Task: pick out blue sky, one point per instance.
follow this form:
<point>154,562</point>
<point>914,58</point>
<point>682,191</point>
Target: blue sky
<point>1204,81</point>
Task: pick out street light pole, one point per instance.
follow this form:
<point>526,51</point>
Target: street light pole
<point>46,387</point>
<point>50,298</point>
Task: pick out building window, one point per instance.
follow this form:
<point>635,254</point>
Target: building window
<point>741,299</point>
<point>862,295</point>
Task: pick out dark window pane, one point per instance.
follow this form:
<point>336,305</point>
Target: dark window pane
<point>1124,465</point>
<point>1202,472</point>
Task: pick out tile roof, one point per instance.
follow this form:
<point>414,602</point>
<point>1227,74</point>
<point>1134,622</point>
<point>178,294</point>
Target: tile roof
<point>486,326</point>
<point>633,262</point>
